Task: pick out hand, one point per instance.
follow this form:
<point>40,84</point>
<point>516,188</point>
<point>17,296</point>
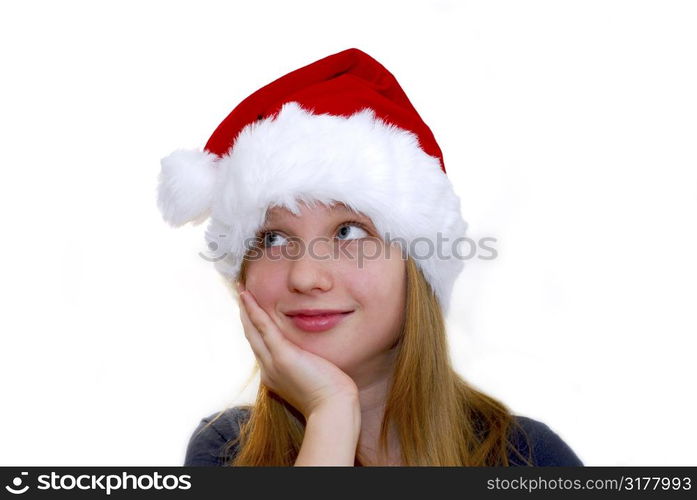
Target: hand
<point>303,379</point>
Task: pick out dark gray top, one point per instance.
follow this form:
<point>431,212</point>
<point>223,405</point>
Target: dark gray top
<point>207,444</point>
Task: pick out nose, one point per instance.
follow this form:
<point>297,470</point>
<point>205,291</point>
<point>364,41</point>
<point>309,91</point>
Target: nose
<point>311,270</point>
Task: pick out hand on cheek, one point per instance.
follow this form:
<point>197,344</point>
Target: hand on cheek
<point>305,380</point>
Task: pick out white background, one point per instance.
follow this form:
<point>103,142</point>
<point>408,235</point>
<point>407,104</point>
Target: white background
<point>568,129</point>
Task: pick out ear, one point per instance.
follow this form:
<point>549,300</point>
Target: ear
<point>186,185</point>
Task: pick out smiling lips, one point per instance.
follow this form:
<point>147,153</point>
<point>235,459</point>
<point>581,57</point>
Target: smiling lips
<point>317,320</point>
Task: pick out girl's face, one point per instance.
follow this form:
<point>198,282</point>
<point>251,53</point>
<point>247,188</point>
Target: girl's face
<point>331,258</point>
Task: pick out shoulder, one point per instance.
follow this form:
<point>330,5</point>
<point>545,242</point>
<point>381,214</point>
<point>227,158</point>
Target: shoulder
<point>207,445</point>
<point>548,449</point>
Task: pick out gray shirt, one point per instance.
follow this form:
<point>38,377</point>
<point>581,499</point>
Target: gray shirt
<point>207,444</point>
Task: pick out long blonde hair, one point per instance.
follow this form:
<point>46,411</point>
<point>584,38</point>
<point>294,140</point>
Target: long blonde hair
<point>440,419</point>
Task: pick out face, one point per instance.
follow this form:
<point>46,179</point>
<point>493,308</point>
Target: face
<point>331,258</point>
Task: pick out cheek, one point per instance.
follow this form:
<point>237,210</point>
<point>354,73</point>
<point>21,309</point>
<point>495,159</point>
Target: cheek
<point>380,291</point>
<point>381,284</point>
<point>261,282</point>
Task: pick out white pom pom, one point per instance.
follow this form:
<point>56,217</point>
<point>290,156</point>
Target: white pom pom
<point>186,186</point>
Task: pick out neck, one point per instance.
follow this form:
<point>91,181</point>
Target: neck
<point>373,391</point>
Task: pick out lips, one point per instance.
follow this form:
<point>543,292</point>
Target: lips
<point>317,320</point>
<point>315,312</point>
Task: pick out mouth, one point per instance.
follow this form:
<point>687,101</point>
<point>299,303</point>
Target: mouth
<point>318,321</point>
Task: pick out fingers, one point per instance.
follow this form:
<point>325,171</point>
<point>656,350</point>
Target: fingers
<point>254,337</point>
<point>272,337</point>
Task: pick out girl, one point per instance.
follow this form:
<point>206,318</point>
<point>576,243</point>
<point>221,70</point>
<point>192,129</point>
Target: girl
<point>332,214</point>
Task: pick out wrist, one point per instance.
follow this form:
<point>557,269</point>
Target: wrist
<point>344,411</point>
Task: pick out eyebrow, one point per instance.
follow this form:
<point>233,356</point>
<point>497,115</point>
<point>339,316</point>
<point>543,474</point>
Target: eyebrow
<point>347,214</point>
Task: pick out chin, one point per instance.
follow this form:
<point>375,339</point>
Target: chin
<point>324,347</point>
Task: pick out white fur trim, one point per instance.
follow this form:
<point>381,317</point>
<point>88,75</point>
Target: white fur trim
<point>373,167</point>
<point>186,184</point>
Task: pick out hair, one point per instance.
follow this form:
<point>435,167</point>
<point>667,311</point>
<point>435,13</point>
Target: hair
<point>440,419</point>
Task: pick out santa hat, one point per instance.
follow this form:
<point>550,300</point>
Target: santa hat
<point>338,130</point>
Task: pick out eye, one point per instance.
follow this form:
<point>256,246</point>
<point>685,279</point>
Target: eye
<point>269,236</point>
<point>354,225</point>
<point>274,238</point>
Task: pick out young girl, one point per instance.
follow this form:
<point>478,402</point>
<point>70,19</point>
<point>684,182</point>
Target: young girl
<point>332,214</point>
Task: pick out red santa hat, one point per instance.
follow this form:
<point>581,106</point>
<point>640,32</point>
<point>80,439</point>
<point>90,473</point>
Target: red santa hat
<point>340,129</point>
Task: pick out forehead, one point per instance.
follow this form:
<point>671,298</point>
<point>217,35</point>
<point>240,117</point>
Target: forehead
<point>281,214</point>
